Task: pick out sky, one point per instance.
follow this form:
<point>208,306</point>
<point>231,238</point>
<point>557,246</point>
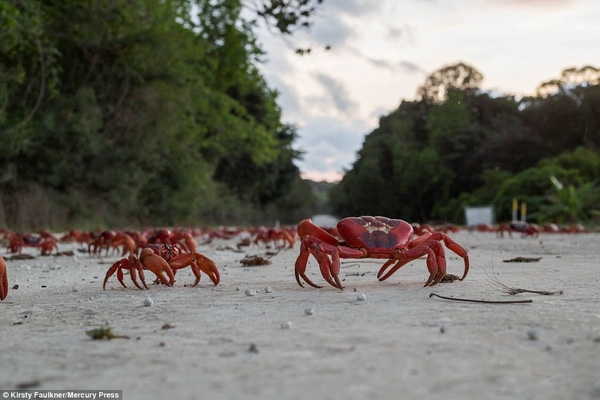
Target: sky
<point>381,51</point>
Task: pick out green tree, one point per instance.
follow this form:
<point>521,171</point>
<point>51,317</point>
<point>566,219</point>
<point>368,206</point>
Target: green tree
<point>136,105</point>
<point>438,85</point>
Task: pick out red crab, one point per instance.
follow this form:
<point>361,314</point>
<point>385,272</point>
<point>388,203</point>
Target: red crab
<point>373,237</point>
<point>163,258</point>
<point>278,237</point>
<point>3,279</point>
<point>196,261</point>
<point>46,243</point>
<point>179,238</point>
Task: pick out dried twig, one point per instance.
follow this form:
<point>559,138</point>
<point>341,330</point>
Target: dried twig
<point>271,254</point>
<point>481,301</point>
<point>523,259</point>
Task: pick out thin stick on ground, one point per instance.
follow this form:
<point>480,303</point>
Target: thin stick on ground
<point>481,301</point>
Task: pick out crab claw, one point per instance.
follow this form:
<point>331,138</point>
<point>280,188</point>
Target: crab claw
<point>209,267</point>
<point>3,279</point>
<point>199,263</point>
<point>157,265</point>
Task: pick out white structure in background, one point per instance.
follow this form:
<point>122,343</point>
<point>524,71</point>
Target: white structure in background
<point>324,220</point>
<point>480,215</point>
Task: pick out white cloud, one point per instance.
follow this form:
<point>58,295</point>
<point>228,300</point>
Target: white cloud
<point>337,92</point>
<point>335,33</point>
<point>330,146</point>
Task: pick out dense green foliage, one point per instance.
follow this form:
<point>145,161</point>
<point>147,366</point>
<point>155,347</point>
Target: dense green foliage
<point>141,112</point>
<point>459,146</point>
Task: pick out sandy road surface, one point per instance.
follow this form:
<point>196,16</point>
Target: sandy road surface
<point>398,343</point>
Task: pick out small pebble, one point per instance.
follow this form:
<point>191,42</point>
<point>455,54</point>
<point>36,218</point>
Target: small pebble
<point>250,292</point>
<point>74,289</point>
<point>238,288</point>
<point>309,311</point>
<point>533,334</point>
<point>269,289</point>
<point>286,325</point>
<point>361,297</point>
<point>148,302</point>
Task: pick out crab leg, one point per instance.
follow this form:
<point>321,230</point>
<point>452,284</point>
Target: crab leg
<point>330,269</point>
<point>399,263</point>
<point>456,249</point>
<point>300,267</point>
<point>196,271</point>
<point>406,256</point>
<point>436,264</point>
<point>335,267</point>
<point>120,277</point>
<point>436,259</point>
<point>327,270</point>
<point>132,272</point>
<point>306,229</point>
<point>116,267</point>
<point>3,279</point>
<point>313,241</point>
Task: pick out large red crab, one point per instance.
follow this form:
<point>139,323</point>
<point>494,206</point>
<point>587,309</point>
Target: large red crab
<point>373,237</point>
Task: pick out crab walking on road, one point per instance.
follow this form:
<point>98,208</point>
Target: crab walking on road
<point>163,260</point>
<point>373,237</point>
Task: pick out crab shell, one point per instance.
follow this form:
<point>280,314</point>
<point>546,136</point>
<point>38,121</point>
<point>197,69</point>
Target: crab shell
<point>380,235</point>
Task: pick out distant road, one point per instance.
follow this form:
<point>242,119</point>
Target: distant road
<point>324,220</point>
